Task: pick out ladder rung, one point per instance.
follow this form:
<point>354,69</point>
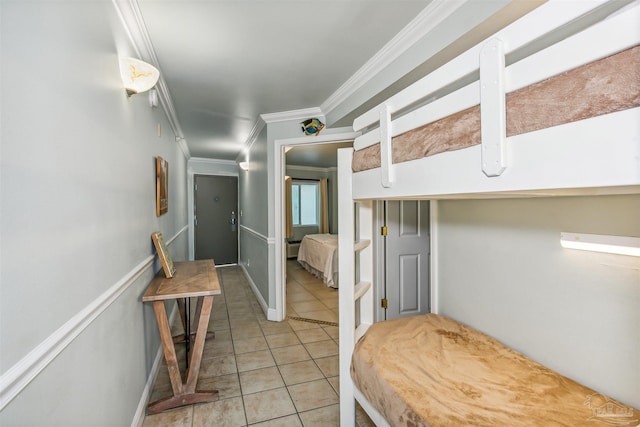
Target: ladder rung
<point>361,289</point>
<point>361,244</point>
<point>361,330</point>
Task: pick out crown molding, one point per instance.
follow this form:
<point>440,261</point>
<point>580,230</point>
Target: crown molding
<point>207,161</point>
<point>133,23</point>
<point>416,30</point>
<point>182,143</point>
<point>251,138</point>
<point>285,116</point>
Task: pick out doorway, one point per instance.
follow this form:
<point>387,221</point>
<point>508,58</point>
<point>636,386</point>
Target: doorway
<point>216,218</point>
<point>279,235</point>
<point>406,255</point>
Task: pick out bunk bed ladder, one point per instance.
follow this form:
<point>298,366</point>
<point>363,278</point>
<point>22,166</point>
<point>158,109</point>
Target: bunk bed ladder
<point>355,221</point>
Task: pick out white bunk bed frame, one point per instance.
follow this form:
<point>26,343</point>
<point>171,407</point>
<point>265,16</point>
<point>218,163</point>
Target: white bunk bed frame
<point>577,158</point>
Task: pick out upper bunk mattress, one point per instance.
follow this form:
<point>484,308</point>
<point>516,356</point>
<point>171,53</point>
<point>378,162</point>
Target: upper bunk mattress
<point>433,371</point>
<point>601,87</point>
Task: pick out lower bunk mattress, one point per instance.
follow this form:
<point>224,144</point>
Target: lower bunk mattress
<point>433,371</point>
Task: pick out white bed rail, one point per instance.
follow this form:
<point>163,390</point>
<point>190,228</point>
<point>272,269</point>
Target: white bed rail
<point>535,29</point>
<point>355,276</point>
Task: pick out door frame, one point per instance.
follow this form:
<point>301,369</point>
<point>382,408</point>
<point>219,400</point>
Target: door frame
<point>191,203</point>
<point>279,172</point>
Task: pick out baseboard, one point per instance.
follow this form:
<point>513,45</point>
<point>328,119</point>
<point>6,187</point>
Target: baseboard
<point>269,312</point>
<point>271,315</point>
<point>138,417</point>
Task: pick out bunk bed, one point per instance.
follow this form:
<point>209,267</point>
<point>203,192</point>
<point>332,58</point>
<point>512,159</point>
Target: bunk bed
<point>550,105</point>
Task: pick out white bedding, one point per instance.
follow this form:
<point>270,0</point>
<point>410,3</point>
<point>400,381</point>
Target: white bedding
<point>318,254</point>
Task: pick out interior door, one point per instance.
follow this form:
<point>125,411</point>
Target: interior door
<point>407,258</point>
<point>216,218</point>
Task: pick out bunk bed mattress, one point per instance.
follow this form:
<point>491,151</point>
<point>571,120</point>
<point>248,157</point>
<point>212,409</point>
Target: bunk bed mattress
<point>601,87</point>
<point>433,371</point>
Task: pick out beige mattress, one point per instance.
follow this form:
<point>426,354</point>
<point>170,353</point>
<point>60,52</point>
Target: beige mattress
<point>601,87</point>
<point>433,371</point>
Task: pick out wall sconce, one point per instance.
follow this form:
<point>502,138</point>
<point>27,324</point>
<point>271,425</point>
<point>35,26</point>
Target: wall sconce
<point>137,76</point>
<point>621,245</point>
<point>244,166</point>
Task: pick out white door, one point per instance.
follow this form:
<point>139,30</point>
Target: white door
<point>407,258</point>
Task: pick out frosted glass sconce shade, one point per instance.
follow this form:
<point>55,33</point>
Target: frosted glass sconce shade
<point>137,76</point>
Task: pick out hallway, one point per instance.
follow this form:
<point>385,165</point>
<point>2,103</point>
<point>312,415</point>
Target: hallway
<point>267,373</point>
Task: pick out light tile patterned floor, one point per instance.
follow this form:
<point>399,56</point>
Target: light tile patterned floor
<point>267,373</point>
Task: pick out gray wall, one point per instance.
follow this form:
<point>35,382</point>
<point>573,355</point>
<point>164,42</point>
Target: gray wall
<point>502,270</point>
<point>77,207</point>
<point>254,228</point>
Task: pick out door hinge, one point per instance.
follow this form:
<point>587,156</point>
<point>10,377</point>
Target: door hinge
<point>384,231</point>
<point>384,303</point>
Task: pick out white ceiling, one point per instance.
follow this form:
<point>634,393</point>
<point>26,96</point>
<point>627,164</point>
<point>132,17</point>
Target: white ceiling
<point>225,62</point>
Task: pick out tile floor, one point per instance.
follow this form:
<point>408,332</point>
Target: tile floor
<point>308,297</point>
<point>267,373</point>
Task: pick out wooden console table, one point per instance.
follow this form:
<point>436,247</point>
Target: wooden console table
<point>192,279</point>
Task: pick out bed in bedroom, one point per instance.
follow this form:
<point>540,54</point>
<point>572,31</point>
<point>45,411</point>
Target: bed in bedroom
<point>525,113</point>
<point>318,254</point>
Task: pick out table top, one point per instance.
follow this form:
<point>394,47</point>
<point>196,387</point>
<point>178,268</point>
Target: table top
<point>191,279</point>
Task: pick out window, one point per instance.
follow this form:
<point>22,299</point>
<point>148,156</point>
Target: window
<point>304,203</point>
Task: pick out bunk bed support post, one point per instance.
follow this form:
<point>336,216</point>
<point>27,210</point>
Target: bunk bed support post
<point>493,110</point>
<point>346,261</point>
<point>386,153</point>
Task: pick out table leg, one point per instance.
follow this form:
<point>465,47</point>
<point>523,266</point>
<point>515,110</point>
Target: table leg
<point>168,347</point>
<point>182,337</point>
<point>203,313</point>
<point>184,394</point>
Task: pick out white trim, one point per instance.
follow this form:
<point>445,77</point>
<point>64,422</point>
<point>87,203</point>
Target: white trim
<point>433,256</point>
<point>371,411</point>
<point>170,241</point>
<point>214,162</point>
<point>133,24</point>
<point>182,143</point>
<point>16,378</point>
<point>346,270</point>
<point>286,116</point>
<point>278,239</point>
<point>269,312</point>
<point>267,240</point>
<point>252,137</point>
<point>416,30</point>
<point>138,417</point>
